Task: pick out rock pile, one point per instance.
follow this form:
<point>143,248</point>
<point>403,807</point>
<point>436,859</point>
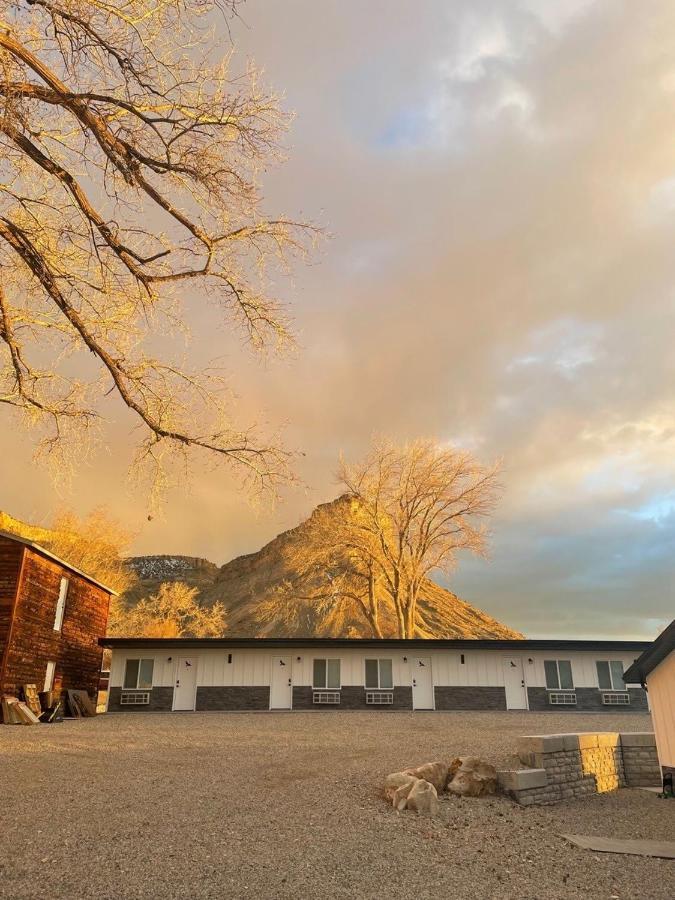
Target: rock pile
<point>418,788</point>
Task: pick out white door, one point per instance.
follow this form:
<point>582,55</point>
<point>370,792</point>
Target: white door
<point>514,683</point>
<point>281,683</point>
<point>422,683</point>
<point>185,690</point>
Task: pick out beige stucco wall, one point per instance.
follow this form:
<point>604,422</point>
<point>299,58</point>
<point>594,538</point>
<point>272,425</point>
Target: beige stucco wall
<point>661,687</point>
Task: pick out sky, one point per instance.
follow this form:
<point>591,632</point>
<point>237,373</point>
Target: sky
<point>498,184</point>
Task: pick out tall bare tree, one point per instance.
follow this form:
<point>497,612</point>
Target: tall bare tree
<point>130,161</point>
<point>406,513</point>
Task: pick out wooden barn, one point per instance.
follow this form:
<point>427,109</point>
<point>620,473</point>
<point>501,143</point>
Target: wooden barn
<point>51,617</point>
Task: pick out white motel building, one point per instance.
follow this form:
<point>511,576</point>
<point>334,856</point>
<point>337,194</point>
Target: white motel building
<point>183,674</point>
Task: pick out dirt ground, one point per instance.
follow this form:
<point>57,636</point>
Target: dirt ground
<point>288,805</point>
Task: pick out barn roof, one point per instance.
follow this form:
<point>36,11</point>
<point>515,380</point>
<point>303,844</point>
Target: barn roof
<point>655,653</point>
<point>62,562</point>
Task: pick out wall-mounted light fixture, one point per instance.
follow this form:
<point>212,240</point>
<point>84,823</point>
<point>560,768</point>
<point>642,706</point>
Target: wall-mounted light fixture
<point>229,658</point>
<point>530,660</point>
<point>461,658</point>
<point>169,659</point>
<point>405,659</point>
<point>299,659</point>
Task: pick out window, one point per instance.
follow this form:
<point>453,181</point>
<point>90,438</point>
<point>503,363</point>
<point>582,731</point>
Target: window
<point>610,675</point>
<point>326,673</point>
<point>138,673</point>
<point>49,676</point>
<point>61,604</point>
<point>558,674</point>
<point>379,673</point>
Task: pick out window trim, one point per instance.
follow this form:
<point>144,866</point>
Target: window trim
<point>326,660</point>
<point>139,660</point>
<point>622,688</point>
<point>378,686</point>
<point>64,586</point>
<point>557,669</point>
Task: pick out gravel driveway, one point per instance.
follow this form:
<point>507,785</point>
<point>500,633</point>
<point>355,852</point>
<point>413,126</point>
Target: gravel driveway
<point>238,805</point>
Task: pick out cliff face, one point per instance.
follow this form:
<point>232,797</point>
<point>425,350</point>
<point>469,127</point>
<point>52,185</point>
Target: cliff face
<point>265,596</point>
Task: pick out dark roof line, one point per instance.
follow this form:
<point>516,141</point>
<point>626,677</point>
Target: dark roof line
<point>62,562</point>
<point>655,653</point>
<point>407,644</point>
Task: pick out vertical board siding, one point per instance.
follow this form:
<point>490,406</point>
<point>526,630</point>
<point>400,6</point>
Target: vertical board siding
<point>10,565</point>
<point>661,685</point>
<point>482,669</point>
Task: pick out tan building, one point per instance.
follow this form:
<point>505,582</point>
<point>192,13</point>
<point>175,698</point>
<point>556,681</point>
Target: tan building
<point>655,669</point>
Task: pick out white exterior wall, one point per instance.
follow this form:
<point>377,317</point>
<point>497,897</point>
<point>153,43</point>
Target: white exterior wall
<point>661,687</point>
<point>481,668</point>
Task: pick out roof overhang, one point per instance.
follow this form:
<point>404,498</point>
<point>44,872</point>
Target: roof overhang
<point>62,562</point>
<point>524,646</point>
<point>655,653</point>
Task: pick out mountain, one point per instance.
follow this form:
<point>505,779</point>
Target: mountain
<point>265,596</point>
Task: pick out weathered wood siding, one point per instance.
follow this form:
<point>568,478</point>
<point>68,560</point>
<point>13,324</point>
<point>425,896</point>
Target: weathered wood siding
<point>10,564</point>
<point>34,642</point>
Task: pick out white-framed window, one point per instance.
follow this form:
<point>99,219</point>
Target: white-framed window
<point>138,673</point>
<point>326,674</point>
<point>49,676</point>
<point>61,604</point>
<point>558,674</point>
<point>610,675</point>
<point>379,674</point>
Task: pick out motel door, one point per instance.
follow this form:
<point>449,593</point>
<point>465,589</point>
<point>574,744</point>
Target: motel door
<point>514,683</point>
<point>185,689</point>
<point>422,683</point>
<point>281,683</point>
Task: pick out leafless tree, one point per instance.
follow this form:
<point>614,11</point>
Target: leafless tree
<point>130,164</point>
<point>172,612</point>
<point>405,514</point>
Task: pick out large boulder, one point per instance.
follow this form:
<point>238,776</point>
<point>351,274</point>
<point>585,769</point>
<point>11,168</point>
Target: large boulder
<point>470,776</point>
<point>435,773</point>
<point>423,798</point>
<point>397,786</point>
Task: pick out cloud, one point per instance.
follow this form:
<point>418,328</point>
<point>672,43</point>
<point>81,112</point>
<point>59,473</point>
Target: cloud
<point>498,182</point>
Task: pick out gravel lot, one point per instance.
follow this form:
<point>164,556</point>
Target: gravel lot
<point>218,805</point>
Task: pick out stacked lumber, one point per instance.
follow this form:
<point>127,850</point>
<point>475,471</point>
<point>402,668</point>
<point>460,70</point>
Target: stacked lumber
<point>16,712</point>
<point>31,708</point>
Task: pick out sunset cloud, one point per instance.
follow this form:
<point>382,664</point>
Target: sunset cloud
<point>499,184</point>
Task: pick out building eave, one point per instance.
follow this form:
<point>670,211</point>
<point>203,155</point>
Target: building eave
<point>524,645</point>
<point>37,548</point>
<point>654,654</point>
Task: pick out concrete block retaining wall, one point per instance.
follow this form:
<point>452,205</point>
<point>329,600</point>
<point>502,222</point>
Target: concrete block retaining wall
<point>566,766</point>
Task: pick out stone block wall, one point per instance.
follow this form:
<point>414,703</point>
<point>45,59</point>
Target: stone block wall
<point>640,760</point>
<point>567,766</point>
<point>588,700</point>
<point>469,697</point>
<point>351,697</point>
